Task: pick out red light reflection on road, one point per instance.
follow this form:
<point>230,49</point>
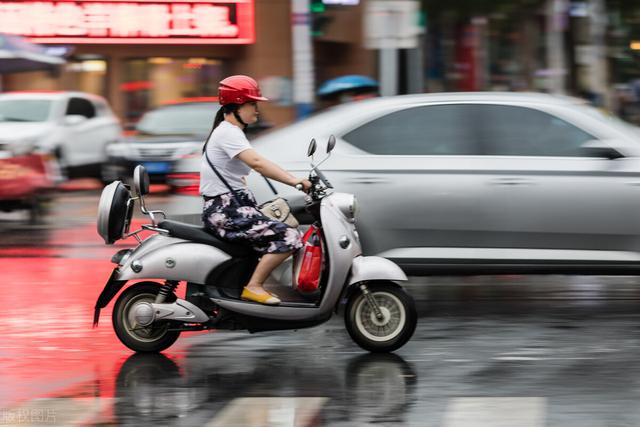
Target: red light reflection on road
<point>47,342</point>
<point>52,277</point>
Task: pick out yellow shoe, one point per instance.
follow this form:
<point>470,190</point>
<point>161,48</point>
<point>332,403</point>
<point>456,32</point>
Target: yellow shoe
<point>267,298</point>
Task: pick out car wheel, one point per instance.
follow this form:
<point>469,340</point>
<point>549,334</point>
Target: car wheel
<point>63,165</point>
<point>37,208</point>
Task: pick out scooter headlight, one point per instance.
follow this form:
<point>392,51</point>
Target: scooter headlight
<point>354,208</point>
<point>349,208</point>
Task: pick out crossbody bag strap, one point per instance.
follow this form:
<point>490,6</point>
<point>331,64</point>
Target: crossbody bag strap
<point>224,181</point>
<point>270,185</point>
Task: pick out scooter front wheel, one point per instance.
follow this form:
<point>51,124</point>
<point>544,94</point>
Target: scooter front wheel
<point>150,339</point>
<point>393,329</point>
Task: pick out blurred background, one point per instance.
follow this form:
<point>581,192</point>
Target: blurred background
<point>89,89</point>
<point>139,56</point>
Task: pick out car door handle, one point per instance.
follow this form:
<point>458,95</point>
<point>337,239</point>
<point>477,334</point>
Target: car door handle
<point>368,180</point>
<point>511,181</point>
<point>634,183</point>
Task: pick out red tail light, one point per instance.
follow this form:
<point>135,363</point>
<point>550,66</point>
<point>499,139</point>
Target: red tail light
<point>185,183</point>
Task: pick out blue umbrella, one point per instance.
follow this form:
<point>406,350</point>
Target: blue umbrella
<point>17,54</point>
<point>347,83</point>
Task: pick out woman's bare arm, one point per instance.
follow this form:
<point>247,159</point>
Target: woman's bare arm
<point>267,168</point>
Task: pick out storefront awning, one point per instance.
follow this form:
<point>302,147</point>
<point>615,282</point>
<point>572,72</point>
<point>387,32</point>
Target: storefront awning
<point>17,54</point>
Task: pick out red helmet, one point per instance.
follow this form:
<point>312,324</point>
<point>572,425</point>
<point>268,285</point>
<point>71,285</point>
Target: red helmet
<point>239,90</point>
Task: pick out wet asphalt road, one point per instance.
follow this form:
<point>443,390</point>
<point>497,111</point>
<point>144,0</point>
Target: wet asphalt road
<point>488,351</point>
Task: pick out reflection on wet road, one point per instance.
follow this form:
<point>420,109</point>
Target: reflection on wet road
<point>490,351</point>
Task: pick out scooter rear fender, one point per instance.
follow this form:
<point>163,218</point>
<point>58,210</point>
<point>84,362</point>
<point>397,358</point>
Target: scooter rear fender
<point>110,290</point>
<point>169,258</point>
<point>161,257</point>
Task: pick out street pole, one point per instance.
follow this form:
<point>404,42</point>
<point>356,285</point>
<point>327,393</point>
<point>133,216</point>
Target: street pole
<point>303,72</point>
<point>390,26</point>
<point>388,58</point>
<point>556,63</point>
<point>415,69</point>
<point>415,59</point>
<point>599,75</point>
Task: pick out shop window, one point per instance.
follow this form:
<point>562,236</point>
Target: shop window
<point>155,81</point>
<point>87,75</point>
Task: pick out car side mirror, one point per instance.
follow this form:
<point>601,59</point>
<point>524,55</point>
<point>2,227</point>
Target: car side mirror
<point>74,119</point>
<point>141,181</point>
<point>600,149</point>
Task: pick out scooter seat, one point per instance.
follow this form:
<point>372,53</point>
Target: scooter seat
<point>197,234</point>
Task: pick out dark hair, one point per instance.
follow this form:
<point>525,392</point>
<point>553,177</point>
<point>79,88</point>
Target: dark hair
<point>225,109</point>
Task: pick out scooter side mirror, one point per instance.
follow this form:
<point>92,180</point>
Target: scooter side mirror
<point>141,181</point>
<point>312,148</point>
<point>331,144</point>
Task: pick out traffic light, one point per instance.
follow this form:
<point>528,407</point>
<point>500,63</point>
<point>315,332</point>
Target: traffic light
<point>319,18</point>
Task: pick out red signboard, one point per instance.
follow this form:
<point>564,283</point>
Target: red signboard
<point>130,21</point>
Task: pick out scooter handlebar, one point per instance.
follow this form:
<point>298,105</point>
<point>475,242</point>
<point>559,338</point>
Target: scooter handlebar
<point>322,177</point>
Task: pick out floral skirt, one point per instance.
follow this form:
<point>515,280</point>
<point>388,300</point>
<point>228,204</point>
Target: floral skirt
<point>246,224</point>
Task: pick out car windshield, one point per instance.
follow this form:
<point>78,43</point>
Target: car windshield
<point>195,119</point>
<point>24,110</point>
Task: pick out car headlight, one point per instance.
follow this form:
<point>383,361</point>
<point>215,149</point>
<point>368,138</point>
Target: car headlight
<point>20,147</point>
<point>354,208</point>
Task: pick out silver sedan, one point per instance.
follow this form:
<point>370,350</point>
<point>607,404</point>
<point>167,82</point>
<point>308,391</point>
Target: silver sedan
<point>477,182</point>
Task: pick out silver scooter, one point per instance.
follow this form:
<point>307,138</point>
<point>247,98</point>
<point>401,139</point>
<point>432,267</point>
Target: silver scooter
<point>148,317</point>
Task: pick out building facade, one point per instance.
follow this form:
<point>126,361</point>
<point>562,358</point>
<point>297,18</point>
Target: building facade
<point>588,48</point>
<point>141,60</point>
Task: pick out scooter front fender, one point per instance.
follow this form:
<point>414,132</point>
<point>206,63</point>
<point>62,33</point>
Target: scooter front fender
<point>369,268</point>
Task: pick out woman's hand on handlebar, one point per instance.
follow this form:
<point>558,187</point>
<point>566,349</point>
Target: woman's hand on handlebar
<point>303,185</point>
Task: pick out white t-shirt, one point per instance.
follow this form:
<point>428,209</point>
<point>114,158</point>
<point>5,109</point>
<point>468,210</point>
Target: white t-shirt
<point>225,143</point>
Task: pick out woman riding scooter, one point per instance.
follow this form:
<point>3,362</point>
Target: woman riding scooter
<point>230,209</point>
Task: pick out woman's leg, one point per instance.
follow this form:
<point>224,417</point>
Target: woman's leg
<point>267,264</point>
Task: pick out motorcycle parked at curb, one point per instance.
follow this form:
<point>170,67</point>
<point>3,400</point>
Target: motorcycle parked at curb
<point>148,316</point>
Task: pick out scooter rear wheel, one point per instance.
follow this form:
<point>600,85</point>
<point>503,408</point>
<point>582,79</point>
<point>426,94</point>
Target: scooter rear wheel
<point>396,326</point>
<point>151,339</point>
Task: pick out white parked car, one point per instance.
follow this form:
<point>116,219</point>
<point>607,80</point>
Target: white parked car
<point>73,126</point>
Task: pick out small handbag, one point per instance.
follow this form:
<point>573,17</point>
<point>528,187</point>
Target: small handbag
<point>280,210</point>
<point>277,208</point>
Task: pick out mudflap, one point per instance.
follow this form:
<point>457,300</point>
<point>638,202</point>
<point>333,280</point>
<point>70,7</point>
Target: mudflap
<point>110,290</point>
